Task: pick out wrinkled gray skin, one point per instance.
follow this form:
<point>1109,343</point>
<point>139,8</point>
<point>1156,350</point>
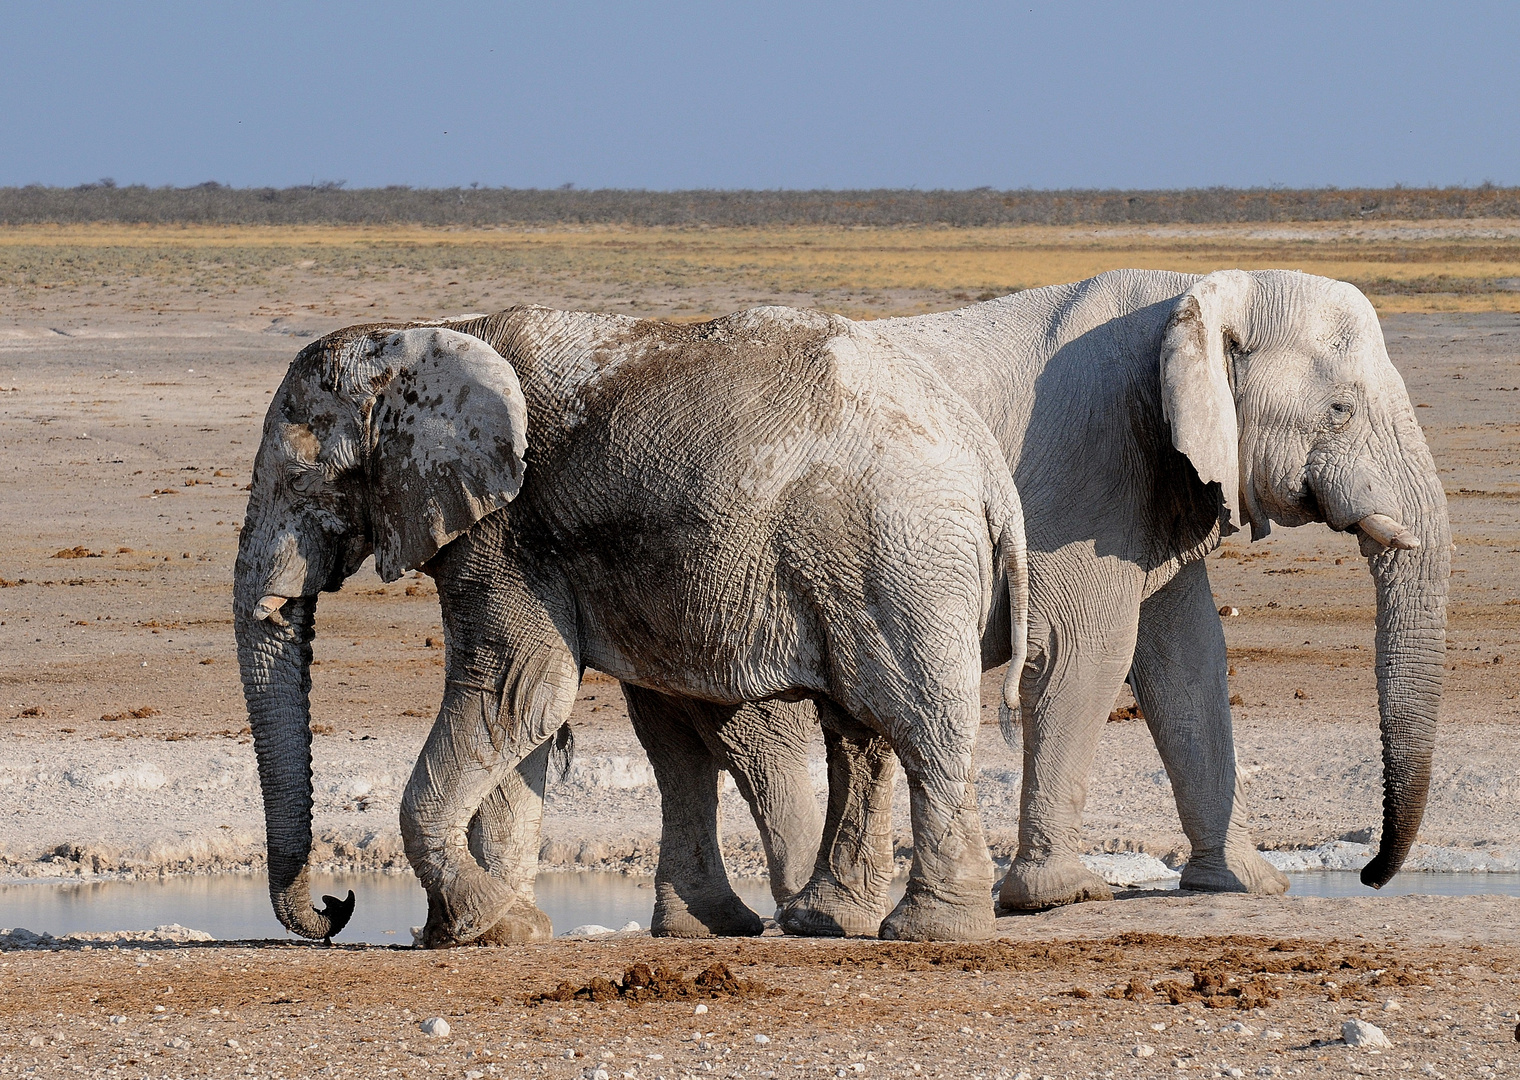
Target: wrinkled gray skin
<point>1145,414</point>
<point>768,507</point>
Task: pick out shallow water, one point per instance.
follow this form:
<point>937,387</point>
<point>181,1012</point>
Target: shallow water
<point>237,905</point>
<point>387,905</point>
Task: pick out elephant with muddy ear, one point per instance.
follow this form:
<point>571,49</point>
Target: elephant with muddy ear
<point>1146,415</point>
<point>767,507</point>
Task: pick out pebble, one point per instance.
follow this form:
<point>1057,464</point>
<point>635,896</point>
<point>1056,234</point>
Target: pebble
<point>118,1019</point>
<point>1235,1027</point>
<point>1141,1050</point>
<point>1392,1005</point>
<point>234,1044</point>
<point>1361,1033</point>
<point>435,1027</point>
<point>762,1040</point>
<point>699,1010</point>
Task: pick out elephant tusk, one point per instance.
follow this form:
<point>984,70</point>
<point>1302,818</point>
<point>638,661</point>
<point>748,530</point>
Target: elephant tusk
<point>1388,532</point>
<point>269,608</point>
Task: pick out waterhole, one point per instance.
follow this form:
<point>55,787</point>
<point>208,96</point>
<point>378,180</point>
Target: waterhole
<point>233,906</point>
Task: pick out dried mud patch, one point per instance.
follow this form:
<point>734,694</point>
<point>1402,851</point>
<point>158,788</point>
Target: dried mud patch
<point>643,982</point>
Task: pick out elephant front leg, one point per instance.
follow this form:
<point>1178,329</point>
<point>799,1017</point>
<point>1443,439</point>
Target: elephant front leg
<point>1068,690</point>
<point>504,838</point>
<point>765,745</point>
<point>1180,679</point>
<point>849,891</point>
<point>458,770</point>
<point>693,897</point>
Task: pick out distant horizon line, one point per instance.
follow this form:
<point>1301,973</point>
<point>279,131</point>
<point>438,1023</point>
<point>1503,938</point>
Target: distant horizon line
<point>333,203</point>
<point>110,184</point>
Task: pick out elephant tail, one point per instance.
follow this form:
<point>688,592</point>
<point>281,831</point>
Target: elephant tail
<point>1015,558</point>
<point>561,753</point>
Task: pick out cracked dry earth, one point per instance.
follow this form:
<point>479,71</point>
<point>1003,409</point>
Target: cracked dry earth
<point>1065,994</point>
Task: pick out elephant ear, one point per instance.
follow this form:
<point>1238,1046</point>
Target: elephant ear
<point>449,434</point>
<point>1197,383</point>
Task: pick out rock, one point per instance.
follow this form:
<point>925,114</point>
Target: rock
<point>1141,1050</point>
<point>118,1019</point>
<point>1392,1005</point>
<point>233,1044</point>
<point>1368,1036</point>
<point>630,927</point>
<point>435,1027</point>
<point>762,1040</point>
<point>590,930</point>
<point>699,1010</point>
<point>1229,611</point>
<point>1237,1028</point>
<point>1126,868</point>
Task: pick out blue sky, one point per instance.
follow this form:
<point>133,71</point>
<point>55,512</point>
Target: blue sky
<point>788,94</point>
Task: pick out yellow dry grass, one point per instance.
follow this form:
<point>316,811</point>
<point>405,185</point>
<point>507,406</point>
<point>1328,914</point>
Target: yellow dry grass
<point>1410,266</point>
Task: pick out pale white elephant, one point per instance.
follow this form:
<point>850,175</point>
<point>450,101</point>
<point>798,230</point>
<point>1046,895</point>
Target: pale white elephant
<point>1146,415</point>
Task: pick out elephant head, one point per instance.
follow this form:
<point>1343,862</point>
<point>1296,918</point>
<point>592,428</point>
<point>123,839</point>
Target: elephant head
<point>1278,387</point>
<point>383,440</point>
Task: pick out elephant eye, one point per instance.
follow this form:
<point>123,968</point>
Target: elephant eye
<point>304,476</point>
<point>1340,414</point>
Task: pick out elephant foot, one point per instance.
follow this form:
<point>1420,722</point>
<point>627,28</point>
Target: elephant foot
<point>713,915</point>
<point>451,925</point>
<point>827,909</point>
<point>1032,886</point>
<point>1235,869</point>
<point>524,921</point>
<point>922,916</point>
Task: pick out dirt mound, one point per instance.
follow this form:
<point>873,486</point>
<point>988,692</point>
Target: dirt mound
<point>642,983</point>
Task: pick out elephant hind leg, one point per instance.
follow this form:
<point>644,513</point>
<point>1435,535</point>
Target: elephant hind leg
<point>948,897</point>
<point>850,889</point>
<point>693,897</point>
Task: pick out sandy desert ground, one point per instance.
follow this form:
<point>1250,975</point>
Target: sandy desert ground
<point>130,406</point>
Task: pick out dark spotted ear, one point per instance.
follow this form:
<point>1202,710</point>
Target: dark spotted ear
<point>449,430</point>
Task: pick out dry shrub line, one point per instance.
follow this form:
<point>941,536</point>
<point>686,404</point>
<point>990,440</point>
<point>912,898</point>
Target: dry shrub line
<point>641,983</point>
<point>330,204</point>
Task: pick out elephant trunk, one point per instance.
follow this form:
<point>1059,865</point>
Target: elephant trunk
<point>274,658</point>
<point>1412,583</point>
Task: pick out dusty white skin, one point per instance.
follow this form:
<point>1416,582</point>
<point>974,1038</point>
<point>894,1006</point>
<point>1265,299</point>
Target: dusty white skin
<point>1145,414</point>
<point>768,506</point>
